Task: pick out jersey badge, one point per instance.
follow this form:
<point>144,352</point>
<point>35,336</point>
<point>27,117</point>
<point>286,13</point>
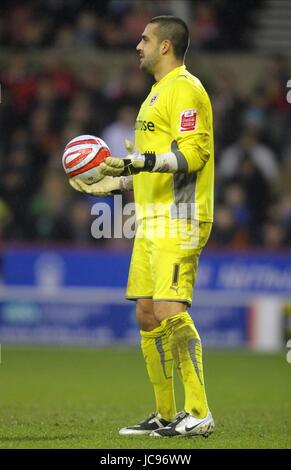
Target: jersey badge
<point>188,119</point>
<point>153,100</point>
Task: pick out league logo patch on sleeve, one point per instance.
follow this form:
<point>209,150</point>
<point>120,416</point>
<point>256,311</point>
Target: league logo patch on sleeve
<point>188,120</point>
<point>153,100</point>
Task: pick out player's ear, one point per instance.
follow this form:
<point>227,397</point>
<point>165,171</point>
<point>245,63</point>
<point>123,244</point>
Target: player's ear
<point>165,46</point>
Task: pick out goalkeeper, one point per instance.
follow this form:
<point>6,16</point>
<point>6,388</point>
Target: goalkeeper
<point>171,171</point>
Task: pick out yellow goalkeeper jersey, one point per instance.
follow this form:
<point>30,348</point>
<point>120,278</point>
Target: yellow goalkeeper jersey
<point>176,116</point>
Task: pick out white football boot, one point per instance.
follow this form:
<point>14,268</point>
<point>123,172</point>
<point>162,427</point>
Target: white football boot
<point>186,425</point>
<point>152,423</point>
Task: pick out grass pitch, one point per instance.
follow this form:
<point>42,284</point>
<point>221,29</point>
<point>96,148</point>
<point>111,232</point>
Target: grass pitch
<point>78,398</point>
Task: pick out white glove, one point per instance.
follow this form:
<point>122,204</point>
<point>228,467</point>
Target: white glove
<point>108,185</point>
<point>116,166</point>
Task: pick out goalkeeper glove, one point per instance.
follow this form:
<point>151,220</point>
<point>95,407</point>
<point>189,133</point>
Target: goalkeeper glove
<point>130,165</point>
<point>108,185</point>
<point>135,163</point>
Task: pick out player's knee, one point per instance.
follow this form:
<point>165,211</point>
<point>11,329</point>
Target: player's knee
<point>145,315</point>
<point>165,309</point>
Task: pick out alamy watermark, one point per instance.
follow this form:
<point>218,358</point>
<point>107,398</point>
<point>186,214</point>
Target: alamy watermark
<point>152,220</point>
<point>288,356</point>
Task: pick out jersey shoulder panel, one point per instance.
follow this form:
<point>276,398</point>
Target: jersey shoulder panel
<point>188,83</point>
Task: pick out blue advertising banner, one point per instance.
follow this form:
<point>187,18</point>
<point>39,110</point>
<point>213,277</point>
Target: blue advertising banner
<point>29,321</point>
<point>220,272</point>
<point>66,322</point>
<point>77,296</point>
<point>65,267</point>
<point>245,273</point>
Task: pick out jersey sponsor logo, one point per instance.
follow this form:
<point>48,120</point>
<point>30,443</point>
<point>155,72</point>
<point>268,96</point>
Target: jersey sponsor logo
<point>153,100</point>
<point>141,125</point>
<point>188,120</point>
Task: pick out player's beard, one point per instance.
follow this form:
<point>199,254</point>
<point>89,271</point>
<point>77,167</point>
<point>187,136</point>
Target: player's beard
<point>149,63</point>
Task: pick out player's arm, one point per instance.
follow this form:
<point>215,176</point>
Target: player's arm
<point>189,118</point>
<point>191,125</point>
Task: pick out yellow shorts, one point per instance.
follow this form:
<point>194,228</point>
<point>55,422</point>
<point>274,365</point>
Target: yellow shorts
<point>165,259</point>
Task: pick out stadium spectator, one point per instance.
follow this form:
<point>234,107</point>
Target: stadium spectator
<point>21,83</point>
<point>204,30</point>
<point>134,22</point>
<point>225,233</point>
<point>123,128</point>
<point>273,236</point>
<point>87,30</point>
<point>49,209</point>
<point>260,154</point>
<point>235,198</point>
<point>227,108</point>
<point>78,222</point>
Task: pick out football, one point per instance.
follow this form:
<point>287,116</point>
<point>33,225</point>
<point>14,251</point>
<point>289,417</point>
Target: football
<point>82,157</point>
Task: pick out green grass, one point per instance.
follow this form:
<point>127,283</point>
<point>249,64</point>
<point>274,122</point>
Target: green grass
<point>78,398</point>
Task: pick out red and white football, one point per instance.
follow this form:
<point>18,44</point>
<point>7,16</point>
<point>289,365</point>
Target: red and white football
<point>82,157</point>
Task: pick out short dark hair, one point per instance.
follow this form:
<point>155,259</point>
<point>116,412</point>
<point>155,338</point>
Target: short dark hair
<point>175,29</point>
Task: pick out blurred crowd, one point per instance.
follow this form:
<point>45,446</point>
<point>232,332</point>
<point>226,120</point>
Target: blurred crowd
<point>43,108</point>
<point>253,160</point>
<point>214,24</point>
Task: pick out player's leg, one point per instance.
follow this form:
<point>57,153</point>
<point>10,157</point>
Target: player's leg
<point>185,344</point>
<point>159,363</point>
<point>158,358</point>
<point>154,341</point>
<point>175,277</point>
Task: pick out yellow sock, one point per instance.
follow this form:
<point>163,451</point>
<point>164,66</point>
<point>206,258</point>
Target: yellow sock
<point>159,362</point>
<point>186,349</point>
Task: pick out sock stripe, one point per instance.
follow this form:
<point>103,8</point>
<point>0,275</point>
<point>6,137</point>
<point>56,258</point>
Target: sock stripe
<point>159,346</point>
<point>192,351</point>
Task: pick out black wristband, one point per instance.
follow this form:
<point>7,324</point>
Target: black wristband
<point>128,168</point>
<point>149,161</point>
